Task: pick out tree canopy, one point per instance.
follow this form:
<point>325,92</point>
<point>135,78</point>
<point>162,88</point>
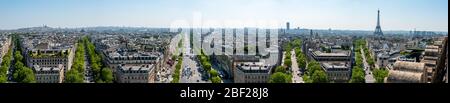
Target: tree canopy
<point>279,77</point>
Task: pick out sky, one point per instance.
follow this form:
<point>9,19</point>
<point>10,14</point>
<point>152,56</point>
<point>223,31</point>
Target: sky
<point>430,15</point>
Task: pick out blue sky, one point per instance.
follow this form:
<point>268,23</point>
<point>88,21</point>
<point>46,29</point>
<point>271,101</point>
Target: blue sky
<point>317,14</point>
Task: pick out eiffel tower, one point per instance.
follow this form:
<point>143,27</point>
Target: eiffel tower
<point>378,28</point>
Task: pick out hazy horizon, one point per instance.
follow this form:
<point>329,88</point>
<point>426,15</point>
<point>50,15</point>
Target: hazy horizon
<point>321,29</point>
<point>396,15</point>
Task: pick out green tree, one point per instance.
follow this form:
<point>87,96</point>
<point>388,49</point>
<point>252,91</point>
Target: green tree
<point>73,76</point>
<point>78,66</point>
<point>287,47</point>
<point>176,75</point>
<point>279,77</point>
<point>370,61</point>
<point>6,61</point>
<point>203,58</point>
<point>315,74</point>
<point>79,57</point>
<point>288,62</point>
<point>2,78</point>
<point>24,75</point>
<point>107,75</point>
<point>358,60</point>
<point>281,69</point>
<point>216,79</point>
<point>307,79</point>
<point>380,74</point>
<point>319,77</point>
<point>16,76</point>
<point>313,66</point>
<point>214,73</point>
<point>180,43</point>
<point>29,76</point>
<point>301,61</point>
<point>174,57</point>
<point>297,42</point>
<point>96,68</point>
<point>100,75</point>
<point>288,55</point>
<point>175,80</point>
<point>18,56</point>
<point>3,70</point>
<point>18,65</point>
<point>357,75</point>
<point>207,66</point>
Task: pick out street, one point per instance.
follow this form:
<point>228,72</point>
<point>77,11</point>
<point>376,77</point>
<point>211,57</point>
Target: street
<point>369,75</point>
<point>190,71</point>
<point>88,76</point>
<point>9,73</point>
<point>296,70</point>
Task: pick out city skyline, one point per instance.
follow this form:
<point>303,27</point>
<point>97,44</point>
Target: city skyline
<point>429,15</point>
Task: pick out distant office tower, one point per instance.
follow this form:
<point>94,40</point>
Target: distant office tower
<point>245,41</point>
<point>288,26</point>
<point>223,41</point>
<point>267,38</point>
<point>191,37</point>
<point>378,28</point>
<point>234,41</point>
<point>257,40</point>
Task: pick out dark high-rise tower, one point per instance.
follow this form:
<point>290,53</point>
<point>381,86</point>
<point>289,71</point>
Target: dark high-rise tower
<point>234,41</point>
<point>267,38</point>
<point>257,40</point>
<point>223,41</point>
<point>378,28</point>
<point>288,26</point>
<point>245,41</point>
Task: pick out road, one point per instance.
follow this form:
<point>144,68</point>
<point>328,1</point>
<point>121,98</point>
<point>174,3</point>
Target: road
<point>9,73</point>
<point>296,70</point>
<point>190,71</point>
<point>88,76</point>
<point>369,75</point>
